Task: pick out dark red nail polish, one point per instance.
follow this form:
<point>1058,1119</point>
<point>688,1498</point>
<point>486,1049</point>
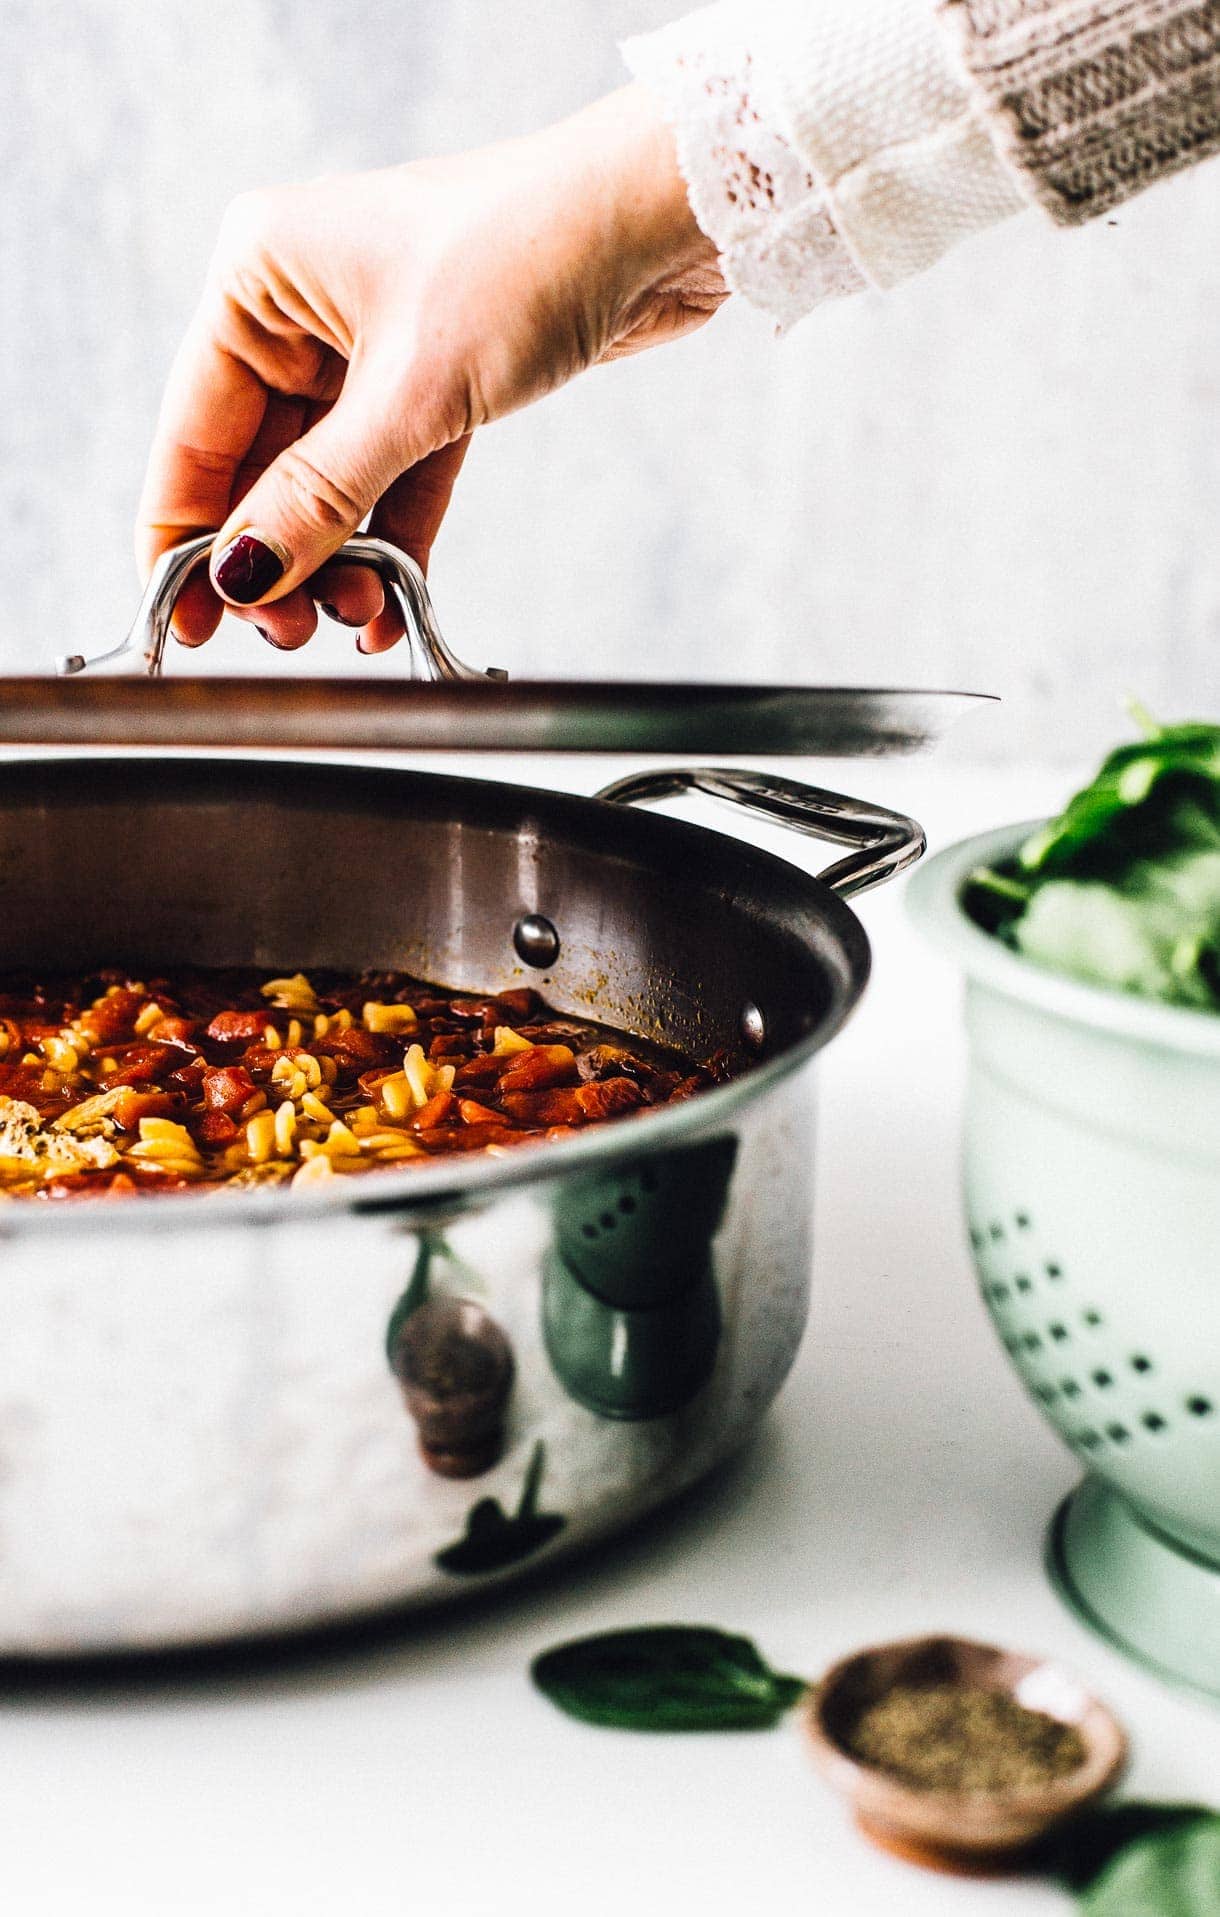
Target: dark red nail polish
<point>246,569</point>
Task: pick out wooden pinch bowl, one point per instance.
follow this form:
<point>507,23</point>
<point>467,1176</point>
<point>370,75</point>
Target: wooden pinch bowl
<point>967,1830</point>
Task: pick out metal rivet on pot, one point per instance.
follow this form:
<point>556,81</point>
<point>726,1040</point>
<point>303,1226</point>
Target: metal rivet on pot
<point>753,1026</point>
<point>536,941</point>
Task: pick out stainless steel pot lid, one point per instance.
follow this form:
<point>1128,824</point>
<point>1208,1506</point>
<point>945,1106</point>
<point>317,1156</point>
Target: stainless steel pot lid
<point>524,715</point>
<point>121,698</point>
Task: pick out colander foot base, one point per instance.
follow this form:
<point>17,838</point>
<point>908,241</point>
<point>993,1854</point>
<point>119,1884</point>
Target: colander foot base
<point>1156,1603</point>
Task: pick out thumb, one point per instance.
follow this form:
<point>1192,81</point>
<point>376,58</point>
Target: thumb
<point>308,501</point>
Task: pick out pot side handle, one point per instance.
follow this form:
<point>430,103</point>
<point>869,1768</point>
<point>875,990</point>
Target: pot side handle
<point>143,650</point>
<point>885,842</point>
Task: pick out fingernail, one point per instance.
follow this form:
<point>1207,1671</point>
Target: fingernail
<point>332,612</point>
<point>362,644</point>
<point>249,567</point>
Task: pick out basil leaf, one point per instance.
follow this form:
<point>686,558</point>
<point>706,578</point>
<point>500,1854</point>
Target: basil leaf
<point>666,1677</point>
<point>1078,1852</point>
<point>1169,1873</point>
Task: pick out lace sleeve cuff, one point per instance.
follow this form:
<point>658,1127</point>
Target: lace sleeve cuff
<point>827,144</point>
<point>753,195</point>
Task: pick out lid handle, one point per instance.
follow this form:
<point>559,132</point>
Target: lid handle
<point>143,650</point>
<point>886,842</point>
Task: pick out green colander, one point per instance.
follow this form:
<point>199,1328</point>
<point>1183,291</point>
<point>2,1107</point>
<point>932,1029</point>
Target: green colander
<point>1092,1187</point>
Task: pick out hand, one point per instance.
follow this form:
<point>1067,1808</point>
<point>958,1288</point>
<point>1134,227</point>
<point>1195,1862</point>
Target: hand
<point>354,332</point>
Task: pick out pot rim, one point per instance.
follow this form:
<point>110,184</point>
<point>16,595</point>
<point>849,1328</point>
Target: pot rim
<point>426,1194</point>
<point>934,901</point>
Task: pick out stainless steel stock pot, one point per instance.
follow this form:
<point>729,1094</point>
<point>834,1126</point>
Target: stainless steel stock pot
<point>241,1412</point>
<point>212,1407</point>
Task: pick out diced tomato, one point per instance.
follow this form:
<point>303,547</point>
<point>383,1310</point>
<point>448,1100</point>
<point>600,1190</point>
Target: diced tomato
<point>451,1045</point>
<point>226,1088</point>
<point>557,1107</point>
<point>358,1050</point>
<point>468,1008</point>
<point>607,1097</point>
<point>238,1028</point>
<point>466,1138</point>
<point>436,1111</point>
<point>140,1065</point>
<point>521,1000</point>
<point>114,1015</point>
<point>133,1105</point>
<point>485,1070</point>
<point>173,1031</point>
<point>24,1082</point>
<point>189,1078</point>
<point>540,1067</point>
<point>260,1060</point>
<point>217,1128</point>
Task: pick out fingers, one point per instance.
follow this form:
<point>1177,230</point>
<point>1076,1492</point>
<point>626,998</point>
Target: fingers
<point>309,500</point>
<point>411,511</point>
<point>410,515</point>
<point>210,416</point>
<point>351,594</point>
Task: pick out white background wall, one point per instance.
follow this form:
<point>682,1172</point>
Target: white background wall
<point>1007,474</point>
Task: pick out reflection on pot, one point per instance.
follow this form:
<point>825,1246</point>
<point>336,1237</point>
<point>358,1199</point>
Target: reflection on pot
<point>494,1538</point>
<point>631,1314</point>
<point>455,1366</point>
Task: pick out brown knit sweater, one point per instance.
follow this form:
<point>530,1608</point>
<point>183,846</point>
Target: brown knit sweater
<point>1094,99</point>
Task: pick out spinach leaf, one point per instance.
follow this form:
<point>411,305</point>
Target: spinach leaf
<point>1172,1872</point>
<point>666,1677</point>
<point>1080,1851</point>
<point>1123,888</point>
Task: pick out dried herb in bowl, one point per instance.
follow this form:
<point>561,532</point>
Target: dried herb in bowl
<point>1123,888</point>
<point>956,1737</point>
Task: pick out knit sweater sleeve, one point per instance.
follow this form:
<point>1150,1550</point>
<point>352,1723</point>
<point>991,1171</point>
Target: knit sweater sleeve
<point>829,145</point>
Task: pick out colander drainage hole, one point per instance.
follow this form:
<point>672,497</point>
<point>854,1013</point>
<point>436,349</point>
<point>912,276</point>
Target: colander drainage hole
<point>1199,1407</point>
<point>1103,1378</point>
<point>997,1234</point>
<point>1140,1363</point>
<point>1021,1220</point>
<point>1091,1318</point>
<point>999,1293</point>
<point>608,1221</point>
<point>1053,1271</point>
<point>1153,1421</point>
<point>1022,1284</point>
<point>1090,1439</point>
<point>1069,1387</point>
<point>1059,1333</point>
<point>1118,1432</point>
<point>626,1204</point>
<point>1032,1341</point>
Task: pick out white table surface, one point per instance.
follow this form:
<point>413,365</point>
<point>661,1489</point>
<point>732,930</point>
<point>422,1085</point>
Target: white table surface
<point>901,1483</point>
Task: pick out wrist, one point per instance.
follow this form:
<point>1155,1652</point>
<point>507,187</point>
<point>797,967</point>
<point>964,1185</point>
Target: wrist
<point>636,196</point>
